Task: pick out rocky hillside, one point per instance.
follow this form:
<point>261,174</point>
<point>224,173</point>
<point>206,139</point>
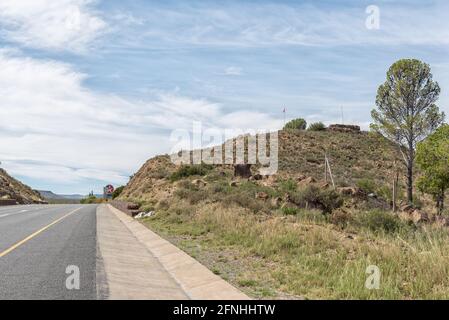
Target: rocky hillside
<point>13,191</point>
<point>355,157</point>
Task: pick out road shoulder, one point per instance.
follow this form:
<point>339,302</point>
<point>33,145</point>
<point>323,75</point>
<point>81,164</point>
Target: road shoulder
<point>197,281</point>
<point>126,270</point>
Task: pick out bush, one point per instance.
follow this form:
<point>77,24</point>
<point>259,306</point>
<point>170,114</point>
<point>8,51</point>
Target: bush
<point>117,192</point>
<point>317,126</point>
<point>314,197</point>
<point>190,170</point>
<point>367,185</point>
<point>299,124</point>
<point>378,220</point>
<point>289,211</point>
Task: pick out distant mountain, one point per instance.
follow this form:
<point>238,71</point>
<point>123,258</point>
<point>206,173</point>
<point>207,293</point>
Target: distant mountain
<point>53,196</point>
<point>13,191</point>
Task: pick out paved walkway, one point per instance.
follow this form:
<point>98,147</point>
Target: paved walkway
<point>138,264</point>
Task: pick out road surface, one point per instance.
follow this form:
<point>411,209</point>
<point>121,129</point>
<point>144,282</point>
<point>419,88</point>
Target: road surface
<point>38,243</point>
<point>44,248</point>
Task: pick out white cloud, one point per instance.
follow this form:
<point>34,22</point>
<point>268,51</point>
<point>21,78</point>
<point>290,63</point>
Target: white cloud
<point>277,24</point>
<point>63,25</point>
<point>54,129</point>
<point>233,71</point>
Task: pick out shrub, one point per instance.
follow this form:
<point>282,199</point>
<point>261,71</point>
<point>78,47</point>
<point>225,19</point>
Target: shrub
<point>367,185</point>
<point>299,124</point>
<point>289,211</point>
<point>185,171</point>
<point>288,185</point>
<point>314,197</point>
<point>378,220</point>
<point>117,192</point>
<point>317,126</point>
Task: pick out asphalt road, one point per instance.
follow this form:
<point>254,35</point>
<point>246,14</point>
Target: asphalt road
<point>37,245</point>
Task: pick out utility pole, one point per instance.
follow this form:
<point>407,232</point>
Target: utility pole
<point>342,116</point>
<point>284,111</point>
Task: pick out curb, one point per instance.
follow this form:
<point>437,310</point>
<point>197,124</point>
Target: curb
<point>196,280</point>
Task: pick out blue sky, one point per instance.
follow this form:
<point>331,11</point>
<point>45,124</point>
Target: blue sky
<point>89,90</point>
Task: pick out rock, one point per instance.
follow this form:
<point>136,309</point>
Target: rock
<point>307,181</point>
<point>242,170</point>
<point>344,128</point>
<point>441,221</point>
<point>404,216</point>
<point>257,177</point>
<point>300,177</point>
<point>276,202</point>
<point>262,195</point>
<point>269,181</point>
<point>419,216</point>
<point>199,183</point>
<point>287,198</point>
<point>134,213</point>
<point>144,215</point>
<point>348,191</point>
<point>325,185</point>
<point>132,206</point>
<point>407,208</point>
<point>233,183</point>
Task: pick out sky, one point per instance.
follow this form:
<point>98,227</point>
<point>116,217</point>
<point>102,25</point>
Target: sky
<point>90,90</point>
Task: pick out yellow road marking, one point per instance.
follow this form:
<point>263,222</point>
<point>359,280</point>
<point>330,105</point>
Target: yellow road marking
<point>31,236</point>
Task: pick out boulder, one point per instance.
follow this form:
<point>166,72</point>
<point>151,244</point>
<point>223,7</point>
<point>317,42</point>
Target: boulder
<point>199,183</point>
<point>441,221</point>
<point>407,208</point>
<point>262,195</point>
<point>276,202</point>
<point>419,216</point>
<point>132,206</point>
<point>307,181</point>
<point>404,216</point>
<point>242,170</point>
<point>349,191</point>
<point>233,183</point>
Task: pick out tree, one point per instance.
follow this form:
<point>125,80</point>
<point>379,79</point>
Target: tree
<point>117,192</point>
<point>406,111</point>
<point>299,124</point>
<point>432,156</point>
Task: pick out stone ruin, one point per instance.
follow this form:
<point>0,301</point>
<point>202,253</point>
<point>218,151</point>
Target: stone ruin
<point>344,128</point>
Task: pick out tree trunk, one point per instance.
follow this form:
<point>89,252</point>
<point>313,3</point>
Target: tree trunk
<point>410,162</point>
<point>410,183</point>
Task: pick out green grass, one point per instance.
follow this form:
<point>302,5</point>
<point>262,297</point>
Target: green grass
<point>300,255</point>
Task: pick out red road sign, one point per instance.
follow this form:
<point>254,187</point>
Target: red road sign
<point>109,189</point>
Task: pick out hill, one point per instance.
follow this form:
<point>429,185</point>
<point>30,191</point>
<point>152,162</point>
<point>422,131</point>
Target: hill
<point>13,191</point>
<point>292,235</point>
<point>354,158</point>
<point>50,195</point>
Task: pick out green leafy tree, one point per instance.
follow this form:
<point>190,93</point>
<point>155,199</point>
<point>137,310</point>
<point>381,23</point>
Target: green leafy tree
<point>117,192</point>
<point>406,110</point>
<point>299,124</point>
<point>432,156</point>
